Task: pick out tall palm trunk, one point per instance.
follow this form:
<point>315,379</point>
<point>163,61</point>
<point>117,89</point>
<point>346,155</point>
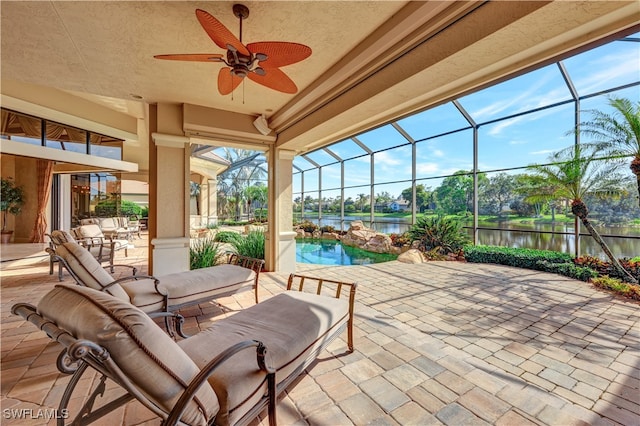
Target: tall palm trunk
<point>635,169</point>
<point>579,209</point>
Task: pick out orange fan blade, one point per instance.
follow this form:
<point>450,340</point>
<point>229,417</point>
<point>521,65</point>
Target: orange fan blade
<point>280,53</point>
<point>275,79</point>
<point>227,82</point>
<point>196,57</point>
<point>219,33</point>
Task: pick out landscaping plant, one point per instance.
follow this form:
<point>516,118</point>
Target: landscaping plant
<point>204,252</point>
<point>11,200</point>
<point>628,290</point>
<point>618,134</point>
<point>227,237</point>
<point>251,245</point>
<point>443,234</point>
<point>575,174</point>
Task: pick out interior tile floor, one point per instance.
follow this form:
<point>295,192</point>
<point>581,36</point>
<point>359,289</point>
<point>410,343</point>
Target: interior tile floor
<point>437,343</point>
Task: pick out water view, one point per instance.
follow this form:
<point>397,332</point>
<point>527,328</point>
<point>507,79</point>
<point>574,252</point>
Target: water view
<point>626,242</point>
<point>330,252</point>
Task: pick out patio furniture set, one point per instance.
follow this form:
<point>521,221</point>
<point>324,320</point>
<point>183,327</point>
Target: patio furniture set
<point>226,374</point>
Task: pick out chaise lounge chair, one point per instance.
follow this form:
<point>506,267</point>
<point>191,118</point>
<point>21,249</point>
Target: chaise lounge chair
<point>103,249</point>
<point>166,293</point>
<point>220,376</point>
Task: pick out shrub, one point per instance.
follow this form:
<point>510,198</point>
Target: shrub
<point>518,257</point>
<point>567,269</point>
<point>328,229</point>
<point>441,233</point>
<point>227,237</point>
<point>251,245</point>
<point>308,226</point>
<point>606,268</point>
<point>608,283</point>
<point>399,240</point>
<point>109,208</point>
<point>204,252</point>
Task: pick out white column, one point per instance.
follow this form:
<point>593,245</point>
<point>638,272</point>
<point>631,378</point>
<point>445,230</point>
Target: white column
<point>280,249</point>
<point>170,245</point>
<point>212,188</point>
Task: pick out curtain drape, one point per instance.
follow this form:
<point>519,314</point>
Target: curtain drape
<point>45,176</point>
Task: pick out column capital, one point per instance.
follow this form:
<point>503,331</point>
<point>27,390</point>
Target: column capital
<point>282,154</point>
<point>171,141</point>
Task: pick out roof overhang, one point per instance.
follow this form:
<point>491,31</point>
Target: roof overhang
<point>66,161</point>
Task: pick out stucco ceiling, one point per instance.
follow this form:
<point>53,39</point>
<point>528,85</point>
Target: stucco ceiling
<point>104,50</point>
<point>372,61</point>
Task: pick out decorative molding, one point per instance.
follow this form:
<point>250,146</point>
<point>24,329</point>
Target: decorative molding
<point>170,141</point>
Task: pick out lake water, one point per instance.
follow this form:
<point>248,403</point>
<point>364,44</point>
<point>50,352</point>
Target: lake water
<point>330,252</point>
<point>521,235</point>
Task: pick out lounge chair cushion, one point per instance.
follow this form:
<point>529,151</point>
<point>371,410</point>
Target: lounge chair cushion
<point>187,287</point>
<point>61,236</point>
<point>292,325</point>
<point>142,350</point>
<point>92,232</point>
<point>88,269</point>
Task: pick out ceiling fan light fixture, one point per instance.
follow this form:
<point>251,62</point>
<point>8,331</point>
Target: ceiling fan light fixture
<point>260,61</point>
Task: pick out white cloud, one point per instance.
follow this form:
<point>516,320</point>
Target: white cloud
<point>611,67</point>
<point>426,168</point>
<point>518,142</point>
<point>542,152</point>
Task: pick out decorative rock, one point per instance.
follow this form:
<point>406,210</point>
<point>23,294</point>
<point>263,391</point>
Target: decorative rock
<point>330,236</point>
<point>366,239</point>
<point>357,225</point>
<point>411,256</point>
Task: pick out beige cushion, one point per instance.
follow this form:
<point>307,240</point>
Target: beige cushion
<point>188,287</point>
<point>90,231</point>
<point>292,325</point>
<point>88,269</point>
<point>60,236</point>
<point>109,223</point>
<point>145,353</point>
<point>185,287</point>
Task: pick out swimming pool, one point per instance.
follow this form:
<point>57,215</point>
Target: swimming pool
<point>330,252</point>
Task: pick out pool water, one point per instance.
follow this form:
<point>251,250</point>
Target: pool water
<point>329,252</point>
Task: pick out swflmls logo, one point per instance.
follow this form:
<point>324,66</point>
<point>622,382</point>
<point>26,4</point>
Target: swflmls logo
<point>30,413</point>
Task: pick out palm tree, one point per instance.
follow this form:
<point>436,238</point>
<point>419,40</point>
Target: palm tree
<point>194,192</point>
<point>575,174</point>
<point>246,168</point>
<point>617,134</point>
<point>256,193</point>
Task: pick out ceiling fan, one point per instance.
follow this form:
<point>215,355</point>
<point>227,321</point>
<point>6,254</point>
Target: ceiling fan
<point>260,61</point>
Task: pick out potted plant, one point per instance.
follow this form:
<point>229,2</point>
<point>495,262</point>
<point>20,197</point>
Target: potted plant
<point>11,201</point>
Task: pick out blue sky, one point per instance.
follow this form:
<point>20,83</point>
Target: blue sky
<point>515,142</point>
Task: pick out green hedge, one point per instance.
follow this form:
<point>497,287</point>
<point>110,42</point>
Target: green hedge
<point>540,260</point>
<point>518,257</point>
<point>567,269</point>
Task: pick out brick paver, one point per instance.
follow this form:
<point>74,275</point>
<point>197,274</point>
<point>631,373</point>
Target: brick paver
<point>437,343</point>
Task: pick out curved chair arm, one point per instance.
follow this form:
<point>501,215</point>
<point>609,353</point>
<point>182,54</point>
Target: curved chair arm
<point>134,270</point>
<point>207,370</point>
<point>156,282</point>
<point>178,322</point>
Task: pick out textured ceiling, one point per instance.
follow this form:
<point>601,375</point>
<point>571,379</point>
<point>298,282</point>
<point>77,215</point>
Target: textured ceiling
<point>372,61</point>
<point>106,48</point>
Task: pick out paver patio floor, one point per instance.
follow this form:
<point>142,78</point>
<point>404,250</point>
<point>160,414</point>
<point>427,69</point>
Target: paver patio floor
<point>437,343</point>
